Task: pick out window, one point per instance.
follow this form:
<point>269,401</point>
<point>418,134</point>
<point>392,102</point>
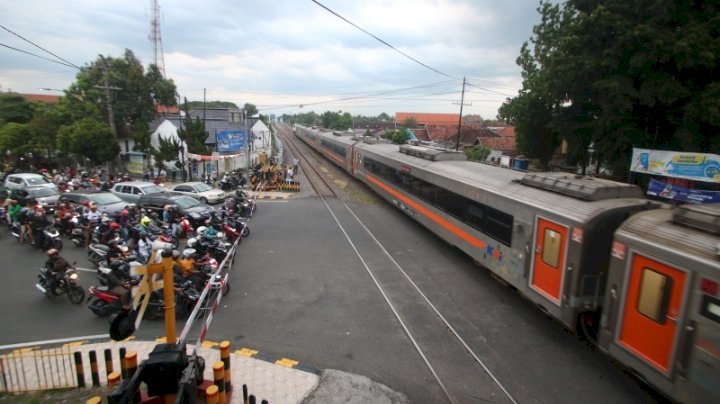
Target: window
<point>552,242</point>
<point>136,191</point>
<point>654,295</point>
<point>494,223</point>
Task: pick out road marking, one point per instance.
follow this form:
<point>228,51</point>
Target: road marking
<point>288,363</point>
<point>52,341</point>
<point>246,352</point>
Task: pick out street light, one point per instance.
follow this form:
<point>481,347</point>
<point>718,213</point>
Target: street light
<point>591,151</point>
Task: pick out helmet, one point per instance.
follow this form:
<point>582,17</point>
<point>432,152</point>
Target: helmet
<point>105,220</point>
<point>52,252</point>
<point>124,212</point>
<point>191,243</point>
<point>145,220</point>
<point>175,254</point>
<point>188,252</point>
<point>201,230</point>
<point>114,226</point>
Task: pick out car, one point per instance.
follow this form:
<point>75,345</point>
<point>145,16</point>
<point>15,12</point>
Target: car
<point>106,202</point>
<point>133,190</point>
<point>21,180</point>
<point>200,191</point>
<point>47,197</point>
<point>196,212</point>
<point>3,192</point>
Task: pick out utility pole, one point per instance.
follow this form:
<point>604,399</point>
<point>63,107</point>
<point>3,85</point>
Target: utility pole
<point>462,102</point>
<point>108,101</point>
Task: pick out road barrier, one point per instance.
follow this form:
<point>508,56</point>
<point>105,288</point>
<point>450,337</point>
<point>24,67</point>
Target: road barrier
<point>29,370</point>
<point>289,186</point>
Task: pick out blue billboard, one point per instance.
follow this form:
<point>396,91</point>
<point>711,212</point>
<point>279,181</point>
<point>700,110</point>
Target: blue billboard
<point>230,140</point>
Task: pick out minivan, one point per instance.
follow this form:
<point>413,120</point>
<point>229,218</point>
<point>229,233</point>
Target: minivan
<point>133,190</point>
<point>22,180</point>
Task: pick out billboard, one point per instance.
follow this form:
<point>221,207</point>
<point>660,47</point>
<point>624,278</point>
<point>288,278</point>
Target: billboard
<point>691,166</point>
<point>677,193</point>
<point>230,140</point>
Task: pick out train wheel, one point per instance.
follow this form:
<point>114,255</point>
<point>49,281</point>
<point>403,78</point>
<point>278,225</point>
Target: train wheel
<point>588,325</point>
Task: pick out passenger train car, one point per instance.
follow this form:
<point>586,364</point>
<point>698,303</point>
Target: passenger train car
<point>625,272</point>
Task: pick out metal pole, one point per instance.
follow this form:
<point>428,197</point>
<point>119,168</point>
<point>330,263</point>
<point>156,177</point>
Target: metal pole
<point>462,101</point>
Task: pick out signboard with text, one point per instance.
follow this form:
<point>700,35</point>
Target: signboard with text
<point>691,166</point>
<point>230,140</point>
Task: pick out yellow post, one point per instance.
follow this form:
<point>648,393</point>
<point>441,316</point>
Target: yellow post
<point>212,395</point>
<point>219,379</point>
<point>113,379</point>
<point>94,400</point>
<point>169,291</point>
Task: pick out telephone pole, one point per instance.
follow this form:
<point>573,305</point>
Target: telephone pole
<point>108,101</point>
<point>462,102</point>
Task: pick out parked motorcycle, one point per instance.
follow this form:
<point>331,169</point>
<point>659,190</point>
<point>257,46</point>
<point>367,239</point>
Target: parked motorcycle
<point>103,302</point>
<point>67,284</point>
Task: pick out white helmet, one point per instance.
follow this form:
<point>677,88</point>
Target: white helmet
<point>191,243</point>
<point>201,230</point>
<point>188,251</point>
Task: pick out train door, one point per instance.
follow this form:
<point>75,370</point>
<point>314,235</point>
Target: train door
<point>548,262</point>
<point>653,298</point>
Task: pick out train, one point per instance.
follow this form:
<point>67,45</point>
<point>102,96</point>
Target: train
<point>637,278</point>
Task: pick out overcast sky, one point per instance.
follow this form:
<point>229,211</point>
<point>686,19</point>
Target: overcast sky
<point>282,54</point>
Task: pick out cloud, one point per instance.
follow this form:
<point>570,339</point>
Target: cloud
<point>287,52</point>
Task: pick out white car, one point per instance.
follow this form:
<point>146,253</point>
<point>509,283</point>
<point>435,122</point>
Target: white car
<point>200,191</point>
<point>22,180</point>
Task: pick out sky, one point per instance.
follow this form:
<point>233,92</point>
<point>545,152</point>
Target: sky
<point>286,56</point>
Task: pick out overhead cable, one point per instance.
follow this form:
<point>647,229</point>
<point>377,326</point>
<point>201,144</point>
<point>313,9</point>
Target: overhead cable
<point>380,40</point>
<point>68,63</point>
<point>38,56</point>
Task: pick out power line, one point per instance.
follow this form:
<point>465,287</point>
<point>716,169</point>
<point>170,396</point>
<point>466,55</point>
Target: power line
<point>37,56</point>
<point>380,40</point>
<point>39,47</point>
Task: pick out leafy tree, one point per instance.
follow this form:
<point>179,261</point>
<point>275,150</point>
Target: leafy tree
<point>167,151</point>
<point>337,120</point>
<point>142,140</point>
<point>90,139</point>
<point>13,137</point>
<point>43,130</point>
<point>396,136</point>
<point>385,117</point>
<point>133,102</point>
<point>209,104</point>
<point>193,134</point>
<point>250,109</point>
<point>477,153</point>
<point>410,123</point>
<point>14,108</point>
<point>621,74</point>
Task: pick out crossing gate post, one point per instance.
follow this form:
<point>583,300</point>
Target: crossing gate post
<point>79,371</point>
<point>225,356</point>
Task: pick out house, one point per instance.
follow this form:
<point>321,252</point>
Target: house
<point>221,121</point>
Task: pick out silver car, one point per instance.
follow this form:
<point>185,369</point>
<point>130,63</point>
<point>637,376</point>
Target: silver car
<point>200,191</point>
<point>133,190</point>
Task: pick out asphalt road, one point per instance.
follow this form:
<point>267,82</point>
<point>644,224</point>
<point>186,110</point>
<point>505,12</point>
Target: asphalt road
<point>300,291</point>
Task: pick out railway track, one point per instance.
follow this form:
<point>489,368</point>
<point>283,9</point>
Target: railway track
<point>455,366</point>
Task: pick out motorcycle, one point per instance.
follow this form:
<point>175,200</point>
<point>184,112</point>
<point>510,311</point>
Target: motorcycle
<point>103,302</point>
<point>67,284</point>
<point>77,233</point>
<point>47,237</point>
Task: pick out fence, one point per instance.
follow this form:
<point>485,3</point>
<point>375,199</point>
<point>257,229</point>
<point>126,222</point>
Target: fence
<point>29,370</point>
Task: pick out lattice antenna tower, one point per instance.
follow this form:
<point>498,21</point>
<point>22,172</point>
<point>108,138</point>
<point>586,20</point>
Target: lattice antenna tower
<point>156,38</point>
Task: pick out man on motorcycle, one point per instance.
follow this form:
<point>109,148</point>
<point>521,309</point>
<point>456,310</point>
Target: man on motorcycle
<point>117,281</point>
<point>56,267</point>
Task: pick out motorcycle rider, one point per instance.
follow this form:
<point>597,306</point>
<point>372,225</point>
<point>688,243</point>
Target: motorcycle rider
<point>56,267</point>
<point>117,281</point>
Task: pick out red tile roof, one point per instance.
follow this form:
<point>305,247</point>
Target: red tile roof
<point>165,109</point>
<point>427,119</point>
<point>47,99</point>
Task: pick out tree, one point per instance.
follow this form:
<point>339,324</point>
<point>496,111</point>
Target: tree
<point>477,153</point>
<point>209,104</point>
<point>167,151</point>
<point>620,74</point>
<point>133,101</point>
<point>43,130</point>
<point>337,120</point>
<point>193,134</point>
<point>410,123</point>
<point>90,139</point>
<point>250,109</point>
<point>14,108</point>
<point>13,137</point>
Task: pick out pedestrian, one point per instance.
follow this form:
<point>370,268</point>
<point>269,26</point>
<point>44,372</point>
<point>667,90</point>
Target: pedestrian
<point>146,175</point>
<point>174,174</point>
<point>296,163</point>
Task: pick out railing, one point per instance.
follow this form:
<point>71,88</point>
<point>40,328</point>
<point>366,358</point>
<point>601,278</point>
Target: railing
<point>29,370</point>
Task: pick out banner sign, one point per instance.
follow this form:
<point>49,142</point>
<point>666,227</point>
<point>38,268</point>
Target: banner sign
<point>676,193</point>
<point>213,157</point>
<point>230,140</point>
<point>691,166</point>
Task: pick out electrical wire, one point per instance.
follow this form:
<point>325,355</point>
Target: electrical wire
<point>68,63</point>
<point>37,56</point>
<point>380,40</point>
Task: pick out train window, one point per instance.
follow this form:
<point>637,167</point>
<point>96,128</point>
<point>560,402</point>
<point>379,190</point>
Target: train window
<point>476,216</point>
<point>498,225</point>
<point>552,245</point>
<point>654,295</point>
<point>710,308</point>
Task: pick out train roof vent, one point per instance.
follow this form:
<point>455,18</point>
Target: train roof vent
<point>701,217</point>
<point>581,187</point>
<point>431,154</point>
